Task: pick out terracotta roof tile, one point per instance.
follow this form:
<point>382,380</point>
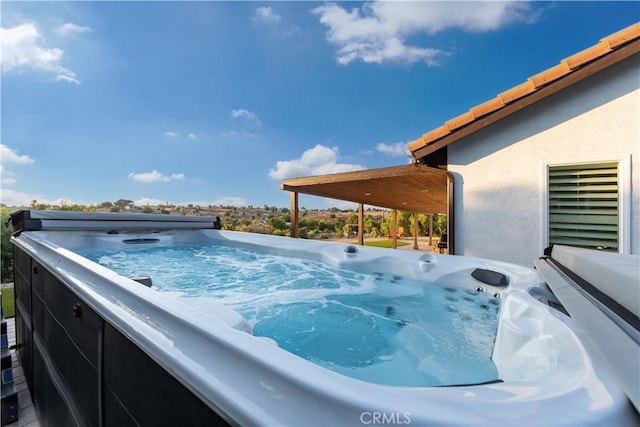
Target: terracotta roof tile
<point>622,37</point>
<point>566,67</point>
<point>461,120</point>
<point>517,92</point>
<point>433,135</point>
<point>550,75</point>
<point>587,55</point>
<point>417,143</point>
<point>487,107</point>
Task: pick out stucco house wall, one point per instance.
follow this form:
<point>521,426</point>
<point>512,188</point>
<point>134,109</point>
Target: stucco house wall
<point>501,171</point>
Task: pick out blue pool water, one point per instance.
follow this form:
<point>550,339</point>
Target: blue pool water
<point>378,327</point>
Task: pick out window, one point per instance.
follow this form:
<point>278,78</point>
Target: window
<point>584,205</point>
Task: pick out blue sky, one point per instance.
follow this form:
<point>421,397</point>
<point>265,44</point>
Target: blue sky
<point>217,102</point>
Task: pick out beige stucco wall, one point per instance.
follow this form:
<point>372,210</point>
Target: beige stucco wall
<point>500,172</point>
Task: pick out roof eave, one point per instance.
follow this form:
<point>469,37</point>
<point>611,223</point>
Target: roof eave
<point>441,137</point>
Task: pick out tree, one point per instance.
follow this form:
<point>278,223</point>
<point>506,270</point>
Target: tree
<point>352,218</point>
<point>309,223</point>
<point>123,203</point>
<point>277,223</point>
<point>439,224</point>
<point>423,225</point>
<point>6,229</point>
<point>405,220</point>
<point>371,224</point>
<point>385,227</point>
<point>326,226</point>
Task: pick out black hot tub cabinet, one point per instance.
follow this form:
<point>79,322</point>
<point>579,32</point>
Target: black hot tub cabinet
<point>79,368</point>
<point>99,349</point>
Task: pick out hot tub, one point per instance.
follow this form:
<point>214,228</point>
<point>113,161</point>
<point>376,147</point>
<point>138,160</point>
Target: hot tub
<point>99,348</point>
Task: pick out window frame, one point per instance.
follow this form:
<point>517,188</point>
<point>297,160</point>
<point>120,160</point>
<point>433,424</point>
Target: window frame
<point>624,198</point>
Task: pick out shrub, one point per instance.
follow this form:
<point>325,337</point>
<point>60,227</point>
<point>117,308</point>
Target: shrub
<point>6,229</point>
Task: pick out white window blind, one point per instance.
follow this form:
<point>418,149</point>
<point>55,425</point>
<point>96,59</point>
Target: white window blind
<point>583,205</point>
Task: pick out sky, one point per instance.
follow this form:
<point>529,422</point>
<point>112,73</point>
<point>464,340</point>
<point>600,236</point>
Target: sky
<point>215,103</point>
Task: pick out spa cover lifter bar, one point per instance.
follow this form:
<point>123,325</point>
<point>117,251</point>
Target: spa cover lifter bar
<point>34,220</point>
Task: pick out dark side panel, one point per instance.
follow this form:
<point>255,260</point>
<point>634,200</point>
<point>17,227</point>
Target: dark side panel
<point>154,397</point>
<point>82,371</point>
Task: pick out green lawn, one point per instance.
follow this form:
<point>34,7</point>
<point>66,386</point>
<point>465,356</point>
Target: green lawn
<point>7,302</point>
<point>384,243</point>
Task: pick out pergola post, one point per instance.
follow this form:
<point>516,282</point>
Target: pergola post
<point>294,214</point>
<point>394,226</point>
<point>415,231</point>
<point>431,230</point>
<point>451,216</point>
<point>361,224</point>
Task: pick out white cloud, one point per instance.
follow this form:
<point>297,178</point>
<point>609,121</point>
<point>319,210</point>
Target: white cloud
<point>340,204</point>
<point>155,176</point>
<point>222,201</point>
<point>70,28</point>
<point>67,76</point>
<point>7,155</point>
<point>394,150</point>
<point>248,115</point>
<point>227,201</point>
<point>17,198</point>
<point>319,160</point>
<point>175,135</point>
<point>145,201</point>
<point>377,32</point>
<point>22,48</point>
<point>266,14</point>
<point>233,133</point>
<point>276,25</point>
<point>6,176</point>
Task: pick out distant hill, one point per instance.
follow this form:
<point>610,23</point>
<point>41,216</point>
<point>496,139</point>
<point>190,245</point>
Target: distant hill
<point>229,212</point>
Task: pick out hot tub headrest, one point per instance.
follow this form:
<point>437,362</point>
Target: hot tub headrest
<point>490,277</point>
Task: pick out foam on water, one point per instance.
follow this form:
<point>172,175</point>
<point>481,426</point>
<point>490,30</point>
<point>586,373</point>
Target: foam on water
<point>376,327</point>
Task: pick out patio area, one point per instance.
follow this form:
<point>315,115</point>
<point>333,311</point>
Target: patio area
<point>27,416</point>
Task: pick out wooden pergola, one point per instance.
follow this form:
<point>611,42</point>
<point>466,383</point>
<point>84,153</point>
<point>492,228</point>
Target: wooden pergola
<point>412,188</point>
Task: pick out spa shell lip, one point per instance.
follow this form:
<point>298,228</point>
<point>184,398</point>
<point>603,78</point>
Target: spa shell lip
<point>551,374</point>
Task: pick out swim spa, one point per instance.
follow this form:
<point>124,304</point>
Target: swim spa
<point>369,326</point>
<point>99,347</point>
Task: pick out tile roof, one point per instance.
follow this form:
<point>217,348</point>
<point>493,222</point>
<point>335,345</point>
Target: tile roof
<point>499,107</point>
